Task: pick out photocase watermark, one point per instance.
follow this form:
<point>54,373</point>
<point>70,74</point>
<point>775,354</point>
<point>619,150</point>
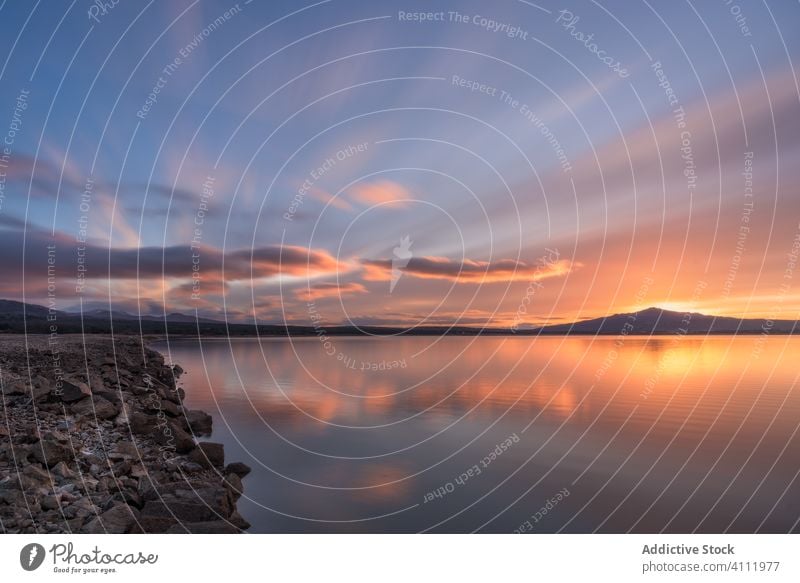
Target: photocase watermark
<point>472,472</point>
<point>317,173</point>
<point>100,8</point>
<point>537,516</point>
<point>32,556</point>
<point>543,264</point>
<point>524,110</point>
<point>744,225</point>
<point>168,450</point>
<point>569,21</point>
<point>14,127</point>
<point>401,255</point>
<point>183,53</point>
<point>67,560</point>
<point>206,194</point>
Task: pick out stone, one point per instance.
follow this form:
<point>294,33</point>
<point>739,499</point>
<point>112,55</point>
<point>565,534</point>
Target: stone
<point>173,438</point>
<point>237,468</point>
<point>73,390</point>
<point>41,389</point>
<point>208,527</point>
<point>62,470</point>
<point>234,483</point>
<point>209,454</point>
<point>239,521</point>
<point>96,407</point>
<point>124,450</point>
<point>142,423</point>
<point>50,452</point>
<point>118,520</point>
<point>199,422</point>
<point>50,503</point>
<point>13,387</point>
<point>207,504</point>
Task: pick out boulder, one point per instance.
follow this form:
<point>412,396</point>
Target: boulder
<point>172,437</point>
<point>209,454</point>
<point>73,390</point>
<point>237,468</point>
<point>96,407</point>
<point>118,520</point>
<point>234,485</point>
<point>50,452</point>
<point>209,527</point>
<point>199,422</point>
<point>142,423</point>
<point>12,387</point>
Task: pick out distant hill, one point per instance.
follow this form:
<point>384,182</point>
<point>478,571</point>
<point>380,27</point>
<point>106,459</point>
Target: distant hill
<point>16,317</point>
<point>658,321</point>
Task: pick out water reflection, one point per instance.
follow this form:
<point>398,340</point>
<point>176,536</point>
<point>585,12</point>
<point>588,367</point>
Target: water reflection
<point>680,433</point>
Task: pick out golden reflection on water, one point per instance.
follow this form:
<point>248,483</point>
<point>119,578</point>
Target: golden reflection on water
<point>707,419</point>
<point>557,376</point>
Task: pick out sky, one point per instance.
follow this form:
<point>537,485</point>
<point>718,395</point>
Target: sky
<point>402,163</point>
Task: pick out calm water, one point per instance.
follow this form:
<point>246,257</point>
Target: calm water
<point>674,434</point>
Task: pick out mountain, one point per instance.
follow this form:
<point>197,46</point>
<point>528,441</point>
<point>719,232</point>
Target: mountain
<point>120,315</point>
<point>16,317</point>
<point>658,321</point>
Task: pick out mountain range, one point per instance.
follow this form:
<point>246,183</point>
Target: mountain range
<point>18,317</point>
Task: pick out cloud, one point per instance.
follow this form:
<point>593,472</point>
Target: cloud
<point>329,290</point>
<point>381,192</point>
<point>469,271</point>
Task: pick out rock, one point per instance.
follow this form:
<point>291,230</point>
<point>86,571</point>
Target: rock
<point>209,454</point>
<point>237,468</point>
<point>234,483</point>
<point>177,369</point>
<point>95,408</point>
<point>62,470</point>
<point>191,468</point>
<point>13,387</point>
<point>37,474</point>
<point>50,452</point>
<point>50,503</point>
<point>142,423</point>
<point>209,527</point>
<point>170,408</point>
<point>199,422</point>
<point>239,521</point>
<point>73,390</point>
<point>41,389</point>
<point>118,520</point>
<point>173,438</point>
<point>207,504</point>
<point>124,450</point>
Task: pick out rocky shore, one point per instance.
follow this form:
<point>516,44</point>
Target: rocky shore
<point>94,438</point>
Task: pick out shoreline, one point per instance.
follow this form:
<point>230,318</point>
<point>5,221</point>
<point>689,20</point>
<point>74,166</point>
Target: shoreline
<point>94,438</point>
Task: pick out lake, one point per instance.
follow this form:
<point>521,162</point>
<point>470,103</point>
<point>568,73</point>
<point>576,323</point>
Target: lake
<point>504,434</point>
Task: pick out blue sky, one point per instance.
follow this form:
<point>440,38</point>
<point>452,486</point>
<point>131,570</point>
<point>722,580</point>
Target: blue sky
<point>272,90</point>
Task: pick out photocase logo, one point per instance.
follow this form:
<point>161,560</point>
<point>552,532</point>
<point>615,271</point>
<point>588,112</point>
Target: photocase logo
<point>31,556</point>
<point>402,255</point>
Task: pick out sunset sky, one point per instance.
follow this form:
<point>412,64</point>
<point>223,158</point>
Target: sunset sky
<point>485,163</point>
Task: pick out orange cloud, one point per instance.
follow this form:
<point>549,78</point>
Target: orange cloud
<point>384,191</point>
<point>469,271</point>
<point>329,290</point>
